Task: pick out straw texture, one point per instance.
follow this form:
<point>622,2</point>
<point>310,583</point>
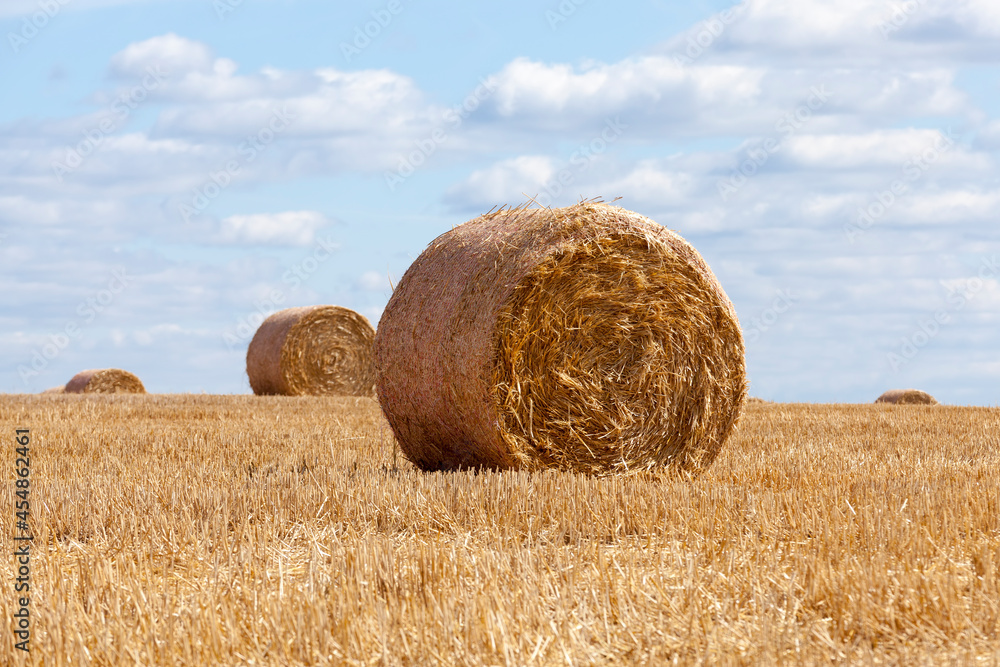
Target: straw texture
<point>907,397</point>
<point>105,381</point>
<point>586,338</point>
<point>312,351</point>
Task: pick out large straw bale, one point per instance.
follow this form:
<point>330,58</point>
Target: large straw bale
<point>907,397</point>
<point>312,351</point>
<point>586,338</point>
<point>105,381</point>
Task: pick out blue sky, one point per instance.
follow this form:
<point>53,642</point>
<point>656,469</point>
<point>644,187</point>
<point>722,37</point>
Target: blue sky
<point>172,171</point>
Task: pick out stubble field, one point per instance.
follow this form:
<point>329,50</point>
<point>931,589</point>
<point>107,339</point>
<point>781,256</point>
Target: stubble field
<point>202,530</point>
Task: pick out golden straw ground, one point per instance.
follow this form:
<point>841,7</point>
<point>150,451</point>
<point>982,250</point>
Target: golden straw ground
<point>104,381</point>
<point>583,338</point>
<point>312,350</point>
<point>907,397</point>
<point>224,530</point>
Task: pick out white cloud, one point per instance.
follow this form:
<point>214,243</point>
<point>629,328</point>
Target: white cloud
<point>956,206</point>
<point>31,7</point>
<point>651,180</point>
<point>549,95</point>
<point>373,281</point>
<point>504,182</point>
<point>989,135</point>
<point>21,210</point>
<point>146,336</point>
<point>176,56</point>
<point>871,150</point>
<point>289,228</point>
<point>326,102</point>
<point>795,34</point>
<point>656,96</point>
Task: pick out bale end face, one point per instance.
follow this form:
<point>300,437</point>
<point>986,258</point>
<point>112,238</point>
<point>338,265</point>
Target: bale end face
<point>605,361</point>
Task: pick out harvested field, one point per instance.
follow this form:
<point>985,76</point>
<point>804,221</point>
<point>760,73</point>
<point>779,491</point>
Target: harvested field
<point>289,531</point>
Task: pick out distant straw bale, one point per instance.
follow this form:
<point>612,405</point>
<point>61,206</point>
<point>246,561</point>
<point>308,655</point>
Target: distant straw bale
<point>586,338</point>
<point>312,351</point>
<point>906,397</point>
<point>61,389</point>
<point>105,381</point>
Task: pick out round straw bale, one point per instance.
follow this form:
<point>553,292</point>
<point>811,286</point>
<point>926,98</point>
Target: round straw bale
<point>61,389</point>
<point>586,338</point>
<point>312,351</point>
<point>105,381</point>
<point>906,397</point>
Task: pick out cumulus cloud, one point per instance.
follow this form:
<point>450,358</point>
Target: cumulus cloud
<point>503,182</point>
<point>559,96</point>
<point>176,55</point>
<point>325,102</point>
<point>275,124</point>
<point>989,136</point>
<point>288,228</point>
<point>31,7</point>
<point>373,281</point>
<point>871,150</point>
<point>790,34</point>
<point>663,98</point>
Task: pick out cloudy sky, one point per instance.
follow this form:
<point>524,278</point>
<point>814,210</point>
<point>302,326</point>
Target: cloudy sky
<point>170,171</point>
